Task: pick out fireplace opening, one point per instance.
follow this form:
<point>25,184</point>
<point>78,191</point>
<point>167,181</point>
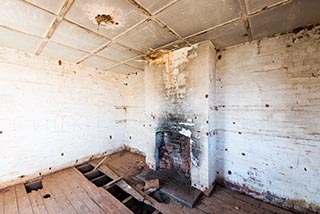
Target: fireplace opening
<point>173,152</point>
<point>173,168</point>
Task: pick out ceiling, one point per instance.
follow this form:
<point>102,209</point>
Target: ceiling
<point>68,30</point>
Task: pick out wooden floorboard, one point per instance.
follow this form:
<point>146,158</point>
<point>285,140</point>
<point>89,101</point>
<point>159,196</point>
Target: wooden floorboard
<point>70,192</point>
<point>24,204</point>
<point>10,201</point>
<point>105,200</point>
<point>63,203</point>
<point>37,203</point>
<point>76,202</point>
<point>1,202</point>
<point>74,183</point>
<point>50,202</point>
<point>222,200</point>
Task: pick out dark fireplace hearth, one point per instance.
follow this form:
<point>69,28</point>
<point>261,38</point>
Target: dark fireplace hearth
<point>173,164</point>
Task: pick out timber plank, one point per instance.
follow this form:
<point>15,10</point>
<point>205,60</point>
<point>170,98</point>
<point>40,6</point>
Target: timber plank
<point>1,202</point>
<point>24,204</point>
<point>37,203</point>
<point>61,199</point>
<point>254,202</point>
<point>50,202</point>
<point>10,201</point>
<point>77,188</point>
<point>104,199</point>
<point>76,202</point>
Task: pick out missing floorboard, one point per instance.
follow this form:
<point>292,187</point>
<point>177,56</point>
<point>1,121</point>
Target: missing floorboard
<point>33,185</point>
<point>102,180</point>
<point>85,168</point>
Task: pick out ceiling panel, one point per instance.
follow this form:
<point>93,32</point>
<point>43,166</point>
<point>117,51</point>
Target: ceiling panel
<point>62,52</point>
<point>155,5</point>
<point>77,37</point>
<point>98,62</point>
<point>147,35</point>
<point>188,17</point>
<point>24,17</point>
<point>175,45</point>
<point>124,14</point>
<point>52,6</point>
<point>118,52</point>
<point>16,40</point>
<point>224,36</point>
<point>137,63</point>
<point>124,69</point>
<point>285,18</point>
<point>254,5</point>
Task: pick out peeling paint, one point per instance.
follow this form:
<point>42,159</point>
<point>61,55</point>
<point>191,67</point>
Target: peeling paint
<point>106,14</point>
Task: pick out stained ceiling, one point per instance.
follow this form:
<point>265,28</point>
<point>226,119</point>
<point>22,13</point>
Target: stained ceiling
<point>115,34</point>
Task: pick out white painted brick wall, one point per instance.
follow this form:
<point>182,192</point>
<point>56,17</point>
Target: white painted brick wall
<point>47,109</point>
<point>268,118</point>
<point>268,97</point>
<point>145,99</point>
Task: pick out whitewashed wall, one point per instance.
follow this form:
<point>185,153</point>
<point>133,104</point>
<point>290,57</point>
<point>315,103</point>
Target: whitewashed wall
<point>152,96</point>
<point>269,118</point>
<point>52,115</point>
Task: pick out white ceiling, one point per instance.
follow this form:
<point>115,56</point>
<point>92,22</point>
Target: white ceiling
<point>67,30</point>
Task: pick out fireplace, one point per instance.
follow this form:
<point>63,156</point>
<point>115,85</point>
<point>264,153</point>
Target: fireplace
<point>173,152</point>
<point>179,101</point>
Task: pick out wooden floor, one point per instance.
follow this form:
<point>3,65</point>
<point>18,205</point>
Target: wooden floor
<point>222,200</point>
<point>69,192</point>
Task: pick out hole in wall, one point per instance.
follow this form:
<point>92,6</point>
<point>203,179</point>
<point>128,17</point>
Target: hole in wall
<point>243,154</point>
<point>59,62</point>
<point>267,105</point>
<point>225,149</point>
<point>219,57</point>
<point>233,122</point>
<point>305,169</point>
<point>40,173</point>
<point>33,186</point>
<point>239,132</point>
<point>1,132</point>
<point>110,137</point>
<point>62,154</point>
<point>229,172</point>
<point>206,95</point>
<point>50,168</point>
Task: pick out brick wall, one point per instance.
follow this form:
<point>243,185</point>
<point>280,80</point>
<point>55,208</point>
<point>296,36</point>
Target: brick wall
<point>268,102</point>
<point>53,116</point>
<point>267,119</point>
<point>173,95</point>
